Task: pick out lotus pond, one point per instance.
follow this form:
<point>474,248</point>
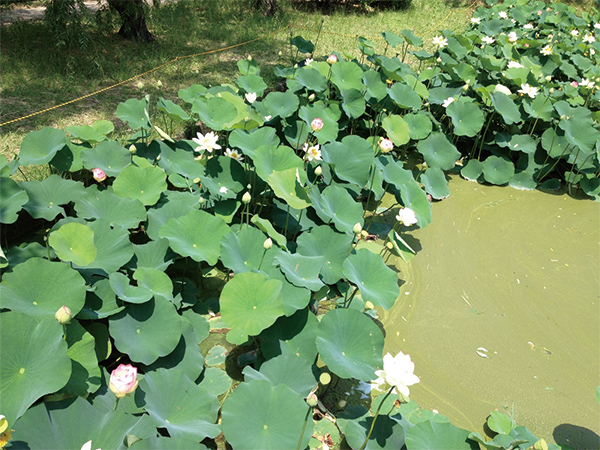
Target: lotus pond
<point>235,286</point>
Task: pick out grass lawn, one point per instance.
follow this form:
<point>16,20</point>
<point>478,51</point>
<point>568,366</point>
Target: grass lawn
<point>36,75</point>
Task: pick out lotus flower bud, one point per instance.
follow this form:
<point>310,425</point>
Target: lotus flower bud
<point>201,200</point>
<point>357,228</point>
<point>386,145</point>
<point>342,403</point>
<point>332,59</point>
<point>132,149</point>
<point>389,245</point>
<point>98,174</point>
<point>312,400</point>
<point>318,171</point>
<point>280,53</point>
<point>574,83</point>
<point>63,315</point>
<point>3,424</point>
<point>140,85</point>
<point>311,97</point>
<point>159,84</point>
<point>246,198</point>
<point>123,380</point>
<point>268,244</point>
<point>325,378</point>
<point>316,124</point>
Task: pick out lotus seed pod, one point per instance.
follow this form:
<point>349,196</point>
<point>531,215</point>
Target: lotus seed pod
<point>312,400</point>
<point>389,245</point>
<point>63,315</point>
<point>196,180</point>
<point>318,171</point>
<point>357,228</point>
<point>268,244</point>
<point>246,198</point>
<point>325,378</point>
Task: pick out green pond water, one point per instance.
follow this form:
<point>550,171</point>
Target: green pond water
<point>513,275</point>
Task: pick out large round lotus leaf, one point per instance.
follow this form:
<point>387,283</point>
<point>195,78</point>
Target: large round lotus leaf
<point>405,96</point>
<point>154,254</point>
<point>472,170</point>
<point>39,287</point>
<point>580,133</point>
<point>420,125</point>
<point>387,433</point>
<point>301,271</point>
<point>506,107</point>
<point>251,83</point>
<point>435,183</point>
<point>71,423</point>
<point>286,186</point>
<point>243,251</point>
<point>336,205</point>
<point>350,343</point>
<point>198,235</point>
<point>174,402</point>
<point>45,197</point>
<point>334,246</point>
<point>119,283</point>
<point>282,104</point>
<point>303,45</point>
<point>376,281</point>
<point>108,156</point>
<point>250,302</point>
<point>277,419</point>
<point>269,159</point>
<point>376,89</point>
<point>142,183</point>
<point>291,370</point>
<point>39,147</point>
<point>12,199</point>
<point>215,112</point>
<point>293,335</point>
<point>397,129</point>
<point>328,133</point>
<point>215,381</point>
<point>311,79</point>
<point>347,75</point>
<point>555,143</point>
<point>194,91</point>
<point>467,118</point>
<point>351,159</point>
<point>353,103</point>
<point>431,435</point>
<point>224,172</point>
<point>88,133</point>
<point>86,375</point>
<point>438,151</point>
<point>186,357</point>
<point>248,142</point>
<point>497,170</point>
<point>165,443</point>
<point>294,297</point>
<point>178,160</point>
<point>33,361</point>
<point>173,110</point>
<point>74,242</point>
<point>156,281</point>
<point>148,331</point>
<point>95,204</point>
<point>135,113</point>
<point>173,204</point>
<point>524,180</point>
<point>113,244</point>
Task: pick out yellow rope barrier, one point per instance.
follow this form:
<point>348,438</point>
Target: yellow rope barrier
<point>209,52</point>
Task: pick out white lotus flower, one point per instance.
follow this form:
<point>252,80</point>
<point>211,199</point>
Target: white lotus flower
<point>223,190</point>
<point>528,26</point>
<point>407,216</point>
<point>528,90</point>
<point>589,39</point>
<point>503,15</point>
<point>234,154</point>
<point>514,65</point>
<point>398,371</point>
<point>447,102</point>
<point>575,33</point>
<point>547,50</point>
<point>440,40</point>
<point>503,89</point>
<point>476,20</point>
<point>207,142</point>
<point>587,83</point>
<point>312,152</point>
<point>512,37</point>
<point>308,61</point>
<point>597,26</point>
<point>88,446</point>
<point>488,40</point>
<point>250,97</point>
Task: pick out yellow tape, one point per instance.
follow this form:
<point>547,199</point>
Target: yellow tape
<point>209,52</point>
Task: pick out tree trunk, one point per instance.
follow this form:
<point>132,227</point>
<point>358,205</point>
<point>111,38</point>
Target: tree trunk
<point>134,19</point>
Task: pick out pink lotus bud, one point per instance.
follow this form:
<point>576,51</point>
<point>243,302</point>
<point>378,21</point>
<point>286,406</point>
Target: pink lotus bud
<point>123,380</point>
<point>63,315</point>
<point>316,124</point>
<point>386,145</point>
<point>98,174</point>
<point>539,13</point>
<point>332,59</point>
<point>574,83</point>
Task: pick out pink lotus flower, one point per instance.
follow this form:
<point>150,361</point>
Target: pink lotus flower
<point>98,174</point>
<point>316,124</point>
<point>123,380</point>
<point>332,59</point>
<point>386,145</point>
<point>574,83</point>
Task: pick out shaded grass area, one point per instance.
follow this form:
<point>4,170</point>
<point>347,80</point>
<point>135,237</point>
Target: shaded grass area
<point>36,74</point>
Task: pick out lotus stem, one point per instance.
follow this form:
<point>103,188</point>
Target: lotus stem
<point>116,404</point>
<point>317,40</point>
<point>304,428</point>
<point>375,418</point>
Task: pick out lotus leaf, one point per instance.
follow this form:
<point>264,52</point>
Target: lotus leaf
<point>286,186</point>
<point>154,254</point>
<point>302,271</point>
<point>291,370</point>
<point>435,183</point>
<point>215,381</point>
<point>498,170</point>
<point>388,432</point>
<point>350,343</point>
<point>113,244</point>
<point>431,435</point>
<point>74,242</point>
<point>47,196</point>
<point>351,159</point>
<point>302,44</point>
<point>108,156</point>
<point>419,125</point>
<point>294,297</point>
<point>172,205</point>
<point>135,113</point>
<point>252,83</point>
<point>277,421</point>
<point>248,142</point>
<point>85,374</point>
<point>438,151</point>
<point>279,104</point>
<point>172,110</point>
<point>376,88</point>
<point>467,118</point>
<point>156,281</point>
<point>405,96</point>
<point>472,170</point>
<point>119,283</point>
<point>397,129</point>
<point>506,107</point>
<point>223,172</point>
<point>293,335</point>
<point>12,199</point>
<point>347,75</point>
<point>216,112</point>
<point>243,251</point>
<point>311,79</point>
<point>335,205</point>
<point>269,160</point>
<point>39,147</point>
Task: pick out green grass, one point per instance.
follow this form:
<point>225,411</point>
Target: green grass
<point>36,75</point>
